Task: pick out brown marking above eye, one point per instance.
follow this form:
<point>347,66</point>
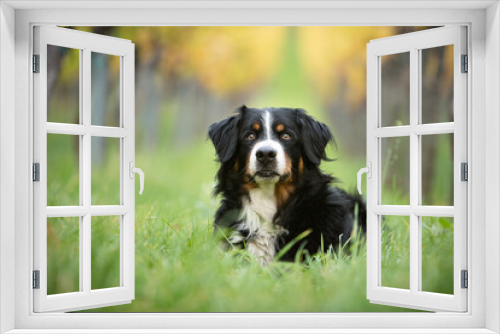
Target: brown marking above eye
<point>256,126</point>
<point>280,127</point>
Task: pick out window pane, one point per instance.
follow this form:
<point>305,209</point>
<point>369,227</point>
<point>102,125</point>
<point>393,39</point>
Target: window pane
<point>437,254</point>
<point>395,171</point>
<point>63,178</point>
<point>395,252</point>
<point>105,74</point>
<point>105,171</point>
<point>105,257</point>
<point>395,86</point>
<point>437,169</point>
<point>437,84</point>
<point>63,84</point>
<point>63,255</point>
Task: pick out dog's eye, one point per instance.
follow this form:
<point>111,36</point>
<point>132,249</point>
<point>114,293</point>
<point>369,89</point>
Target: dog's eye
<point>286,136</point>
<point>250,136</point>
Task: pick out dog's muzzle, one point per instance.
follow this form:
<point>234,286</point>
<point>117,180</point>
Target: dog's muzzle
<point>267,162</point>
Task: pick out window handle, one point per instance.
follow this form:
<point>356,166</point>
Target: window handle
<point>368,171</point>
<point>139,171</point>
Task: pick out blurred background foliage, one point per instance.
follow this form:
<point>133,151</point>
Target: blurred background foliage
<point>208,71</point>
<point>189,77</point>
<point>186,79</point>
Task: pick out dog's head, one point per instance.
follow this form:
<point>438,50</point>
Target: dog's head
<point>270,145</point>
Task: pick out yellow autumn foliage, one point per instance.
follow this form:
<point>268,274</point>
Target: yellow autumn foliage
<point>220,58</point>
<point>336,56</point>
<point>217,57</point>
<point>430,70</point>
<point>71,68</point>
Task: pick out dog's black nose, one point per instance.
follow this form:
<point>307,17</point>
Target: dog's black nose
<point>266,154</point>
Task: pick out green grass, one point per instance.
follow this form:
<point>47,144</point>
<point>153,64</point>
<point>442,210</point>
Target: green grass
<point>180,267</point>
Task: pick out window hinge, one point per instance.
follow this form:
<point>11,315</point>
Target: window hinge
<point>36,63</point>
<point>464,168</point>
<point>465,64</point>
<point>36,279</point>
<point>465,279</point>
<point>36,172</point>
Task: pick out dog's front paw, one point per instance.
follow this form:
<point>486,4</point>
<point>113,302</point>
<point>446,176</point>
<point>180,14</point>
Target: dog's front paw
<point>236,238</point>
<point>262,250</point>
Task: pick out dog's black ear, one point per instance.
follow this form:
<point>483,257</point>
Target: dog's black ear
<point>316,136</point>
<point>224,136</point>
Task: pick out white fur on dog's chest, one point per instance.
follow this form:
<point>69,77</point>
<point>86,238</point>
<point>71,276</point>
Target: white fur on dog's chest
<point>257,217</point>
<point>263,203</point>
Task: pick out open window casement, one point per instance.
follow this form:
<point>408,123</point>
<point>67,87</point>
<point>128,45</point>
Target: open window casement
<point>403,200</point>
<point>85,134</point>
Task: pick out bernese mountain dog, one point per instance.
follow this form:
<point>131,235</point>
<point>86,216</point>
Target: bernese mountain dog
<point>273,191</point>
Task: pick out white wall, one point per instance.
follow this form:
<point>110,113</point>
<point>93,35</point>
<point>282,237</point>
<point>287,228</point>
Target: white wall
<point>7,160</point>
<point>193,17</point>
<point>492,165</point>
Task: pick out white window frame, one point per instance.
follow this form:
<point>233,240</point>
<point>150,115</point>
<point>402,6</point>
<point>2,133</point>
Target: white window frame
<point>413,44</point>
<point>85,43</point>
<point>483,20</point>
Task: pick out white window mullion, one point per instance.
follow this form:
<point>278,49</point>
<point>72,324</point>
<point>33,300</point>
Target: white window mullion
<point>414,172</point>
<point>80,211</point>
<point>67,129</point>
<point>40,156</point>
<point>127,119</point>
<point>422,210</point>
<point>373,192</point>
<point>433,129</point>
<point>106,131</point>
<point>82,258</point>
<point>109,210</point>
<point>460,155</point>
<point>418,134</point>
<point>434,211</point>
<point>419,129</point>
<point>85,165</point>
<point>392,210</point>
<point>123,157</point>
<point>392,131</point>
<point>81,130</point>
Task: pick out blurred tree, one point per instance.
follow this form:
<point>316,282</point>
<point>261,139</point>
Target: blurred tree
<point>101,77</point>
<point>54,62</point>
<point>99,91</point>
<point>62,84</point>
<point>335,62</point>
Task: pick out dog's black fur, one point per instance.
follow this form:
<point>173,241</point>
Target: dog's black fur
<point>306,200</point>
